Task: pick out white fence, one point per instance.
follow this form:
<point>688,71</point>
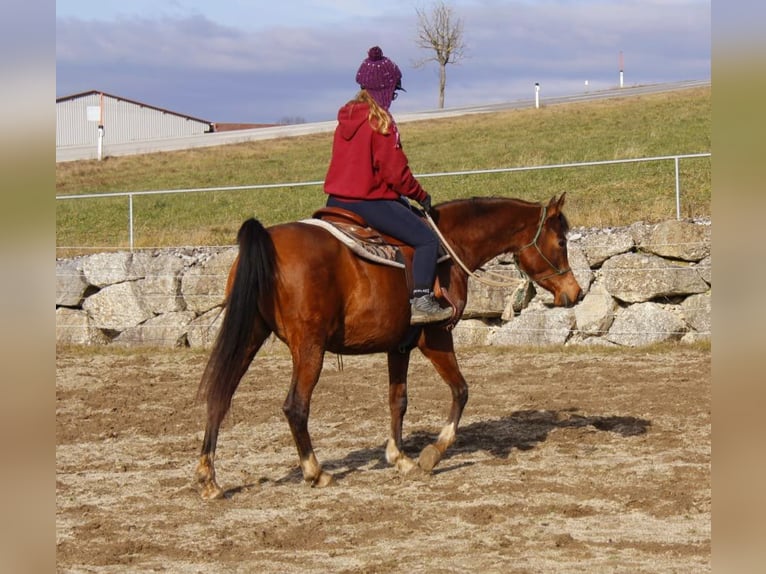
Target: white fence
<point>131,194</point>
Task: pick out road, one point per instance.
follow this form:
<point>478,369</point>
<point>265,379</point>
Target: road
<point>74,153</point>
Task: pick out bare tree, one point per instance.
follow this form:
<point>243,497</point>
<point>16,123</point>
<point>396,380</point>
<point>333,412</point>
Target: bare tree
<point>442,33</point>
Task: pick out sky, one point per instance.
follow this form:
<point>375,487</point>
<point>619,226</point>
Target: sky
<point>261,61</point>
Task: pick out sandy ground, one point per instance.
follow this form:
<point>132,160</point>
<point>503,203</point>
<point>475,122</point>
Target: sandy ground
<point>566,461</point>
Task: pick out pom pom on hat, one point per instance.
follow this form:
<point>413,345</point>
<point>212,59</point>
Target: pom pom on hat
<point>374,54</point>
<point>379,76</point>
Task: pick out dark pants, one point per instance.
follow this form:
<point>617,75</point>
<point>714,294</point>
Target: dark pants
<point>395,218</point>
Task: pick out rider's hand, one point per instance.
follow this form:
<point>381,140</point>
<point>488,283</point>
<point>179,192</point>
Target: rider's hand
<point>425,203</point>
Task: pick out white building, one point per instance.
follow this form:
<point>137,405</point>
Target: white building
<point>85,118</point>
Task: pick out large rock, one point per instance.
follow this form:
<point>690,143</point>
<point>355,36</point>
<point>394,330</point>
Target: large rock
<point>705,268</point>
<point>161,286</point>
<point>75,327</point>
<point>697,310</point>
<point>536,325</point>
<point>639,231</point>
<point>490,301</point>
<point>140,263</point>
<point>645,324</point>
<point>595,313</point>
<point>71,285</point>
<point>104,269</point>
<point>204,286</point>
<point>640,277</point>
<point>471,332</point>
<point>166,330</point>
<point>678,240</point>
<point>600,246</point>
<point>580,265</point>
<point>118,307</point>
<point>202,331</point>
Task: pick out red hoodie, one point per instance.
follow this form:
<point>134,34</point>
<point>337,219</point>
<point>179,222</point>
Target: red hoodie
<point>366,164</point>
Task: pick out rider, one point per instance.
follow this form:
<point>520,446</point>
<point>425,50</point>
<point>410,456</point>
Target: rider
<point>369,174</point>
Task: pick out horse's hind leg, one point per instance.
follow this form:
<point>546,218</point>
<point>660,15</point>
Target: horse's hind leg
<point>216,411</point>
<point>398,364</point>
<point>205,473</point>
<point>436,344</point>
<point>307,365</point>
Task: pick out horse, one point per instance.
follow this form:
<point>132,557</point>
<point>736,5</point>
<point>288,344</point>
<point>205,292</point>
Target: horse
<point>300,283</point>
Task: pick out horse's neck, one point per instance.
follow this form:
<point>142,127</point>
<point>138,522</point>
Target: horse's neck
<point>479,236</point>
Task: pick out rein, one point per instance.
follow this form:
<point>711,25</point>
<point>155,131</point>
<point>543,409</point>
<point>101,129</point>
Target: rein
<point>503,282</point>
<point>481,279</point>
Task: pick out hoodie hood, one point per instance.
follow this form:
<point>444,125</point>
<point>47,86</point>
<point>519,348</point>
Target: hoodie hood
<point>351,117</point>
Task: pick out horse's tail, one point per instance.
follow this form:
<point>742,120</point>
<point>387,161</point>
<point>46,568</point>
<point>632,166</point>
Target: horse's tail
<point>243,329</point>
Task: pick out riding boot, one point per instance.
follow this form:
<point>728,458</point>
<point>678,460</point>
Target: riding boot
<point>425,309</point>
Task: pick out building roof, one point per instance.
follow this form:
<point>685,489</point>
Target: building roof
<point>91,92</point>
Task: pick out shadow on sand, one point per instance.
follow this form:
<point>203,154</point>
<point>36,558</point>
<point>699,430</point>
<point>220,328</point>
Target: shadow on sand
<point>522,430</point>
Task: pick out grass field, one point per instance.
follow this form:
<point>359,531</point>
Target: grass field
<point>625,128</point>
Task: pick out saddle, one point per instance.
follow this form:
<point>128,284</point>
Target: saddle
<point>368,243</point>
<point>363,240</point>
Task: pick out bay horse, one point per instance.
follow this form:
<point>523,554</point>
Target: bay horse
<point>302,284</point>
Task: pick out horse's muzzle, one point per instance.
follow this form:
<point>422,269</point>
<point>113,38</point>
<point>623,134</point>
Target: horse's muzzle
<point>566,301</point>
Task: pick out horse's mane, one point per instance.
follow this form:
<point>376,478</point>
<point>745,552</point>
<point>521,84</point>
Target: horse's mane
<point>478,206</point>
<point>482,204</point>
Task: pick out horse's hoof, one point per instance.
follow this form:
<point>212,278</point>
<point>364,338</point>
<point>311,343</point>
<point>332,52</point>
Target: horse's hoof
<point>429,458</point>
<point>324,479</point>
<point>405,465</point>
<point>211,491</point>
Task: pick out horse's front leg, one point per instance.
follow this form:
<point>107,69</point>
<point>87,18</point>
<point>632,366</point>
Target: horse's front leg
<point>398,364</point>
<point>436,344</point>
<point>307,365</point>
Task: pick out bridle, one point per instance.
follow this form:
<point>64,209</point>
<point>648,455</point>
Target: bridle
<point>533,243</point>
<point>503,281</point>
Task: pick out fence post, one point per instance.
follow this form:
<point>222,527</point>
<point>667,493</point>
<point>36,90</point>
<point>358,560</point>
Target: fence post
<point>678,190</point>
<point>130,220</point>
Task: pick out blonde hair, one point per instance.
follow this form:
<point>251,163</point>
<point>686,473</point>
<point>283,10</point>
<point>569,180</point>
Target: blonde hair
<point>379,119</point>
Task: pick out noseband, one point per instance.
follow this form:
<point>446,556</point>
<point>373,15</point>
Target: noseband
<point>533,243</point>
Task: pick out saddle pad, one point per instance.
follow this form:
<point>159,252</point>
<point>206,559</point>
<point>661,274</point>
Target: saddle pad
<point>380,253</point>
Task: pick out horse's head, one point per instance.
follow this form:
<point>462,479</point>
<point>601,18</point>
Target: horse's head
<point>544,258</point>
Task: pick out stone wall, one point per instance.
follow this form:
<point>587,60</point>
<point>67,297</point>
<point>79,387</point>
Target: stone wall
<point>643,284</point>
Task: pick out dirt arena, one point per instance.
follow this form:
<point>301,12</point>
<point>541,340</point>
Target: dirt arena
<point>585,460</point>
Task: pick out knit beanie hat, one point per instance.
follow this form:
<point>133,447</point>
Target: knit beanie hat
<point>380,77</point>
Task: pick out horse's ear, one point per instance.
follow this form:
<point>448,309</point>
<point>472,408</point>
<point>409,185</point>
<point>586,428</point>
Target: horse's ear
<point>555,205</point>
